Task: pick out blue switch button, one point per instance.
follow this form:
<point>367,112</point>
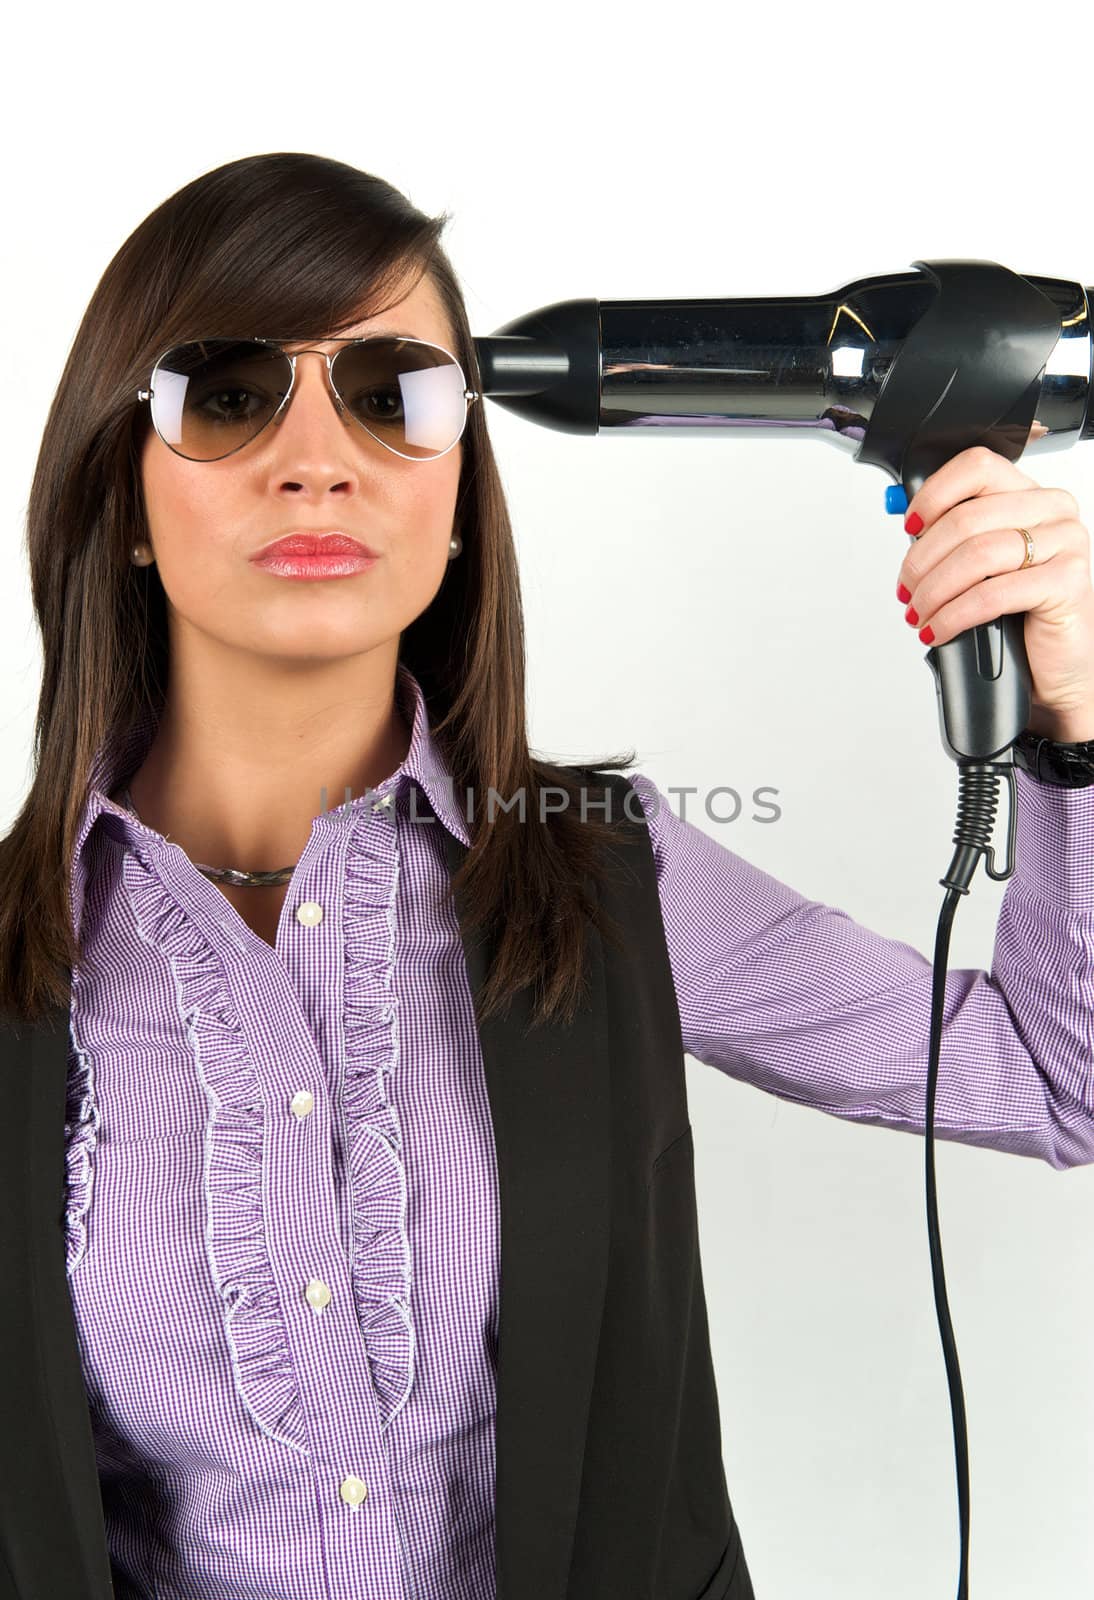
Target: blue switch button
<point>896,501</point>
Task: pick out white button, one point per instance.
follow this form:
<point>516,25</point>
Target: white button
<point>385,803</point>
<point>302,1102</point>
<point>310,912</point>
<point>353,1491</point>
<point>317,1293</point>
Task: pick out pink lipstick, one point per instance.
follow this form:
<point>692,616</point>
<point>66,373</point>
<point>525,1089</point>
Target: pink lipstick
<point>315,555</point>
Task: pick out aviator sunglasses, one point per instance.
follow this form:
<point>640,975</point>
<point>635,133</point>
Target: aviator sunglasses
<point>210,397</point>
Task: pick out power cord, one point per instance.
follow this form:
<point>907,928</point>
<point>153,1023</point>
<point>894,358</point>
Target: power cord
<point>978,799</point>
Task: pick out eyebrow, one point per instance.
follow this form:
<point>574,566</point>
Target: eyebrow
<point>380,333</point>
<point>373,333</point>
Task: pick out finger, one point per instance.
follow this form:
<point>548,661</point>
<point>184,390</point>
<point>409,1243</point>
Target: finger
<point>993,540</point>
<point>1057,586</point>
<point>971,472</point>
<point>993,553</point>
<point>1011,508</point>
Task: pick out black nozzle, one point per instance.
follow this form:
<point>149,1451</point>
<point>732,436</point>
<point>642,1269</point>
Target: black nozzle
<point>545,366</point>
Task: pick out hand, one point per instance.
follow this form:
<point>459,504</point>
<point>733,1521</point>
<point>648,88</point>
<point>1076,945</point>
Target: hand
<point>963,570</point>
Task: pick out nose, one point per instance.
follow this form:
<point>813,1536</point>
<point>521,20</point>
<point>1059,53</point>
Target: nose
<point>314,443</point>
<point>314,446</point>
<point>313,398</point>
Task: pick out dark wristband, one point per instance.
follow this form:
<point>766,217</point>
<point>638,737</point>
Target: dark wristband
<point>1067,766</point>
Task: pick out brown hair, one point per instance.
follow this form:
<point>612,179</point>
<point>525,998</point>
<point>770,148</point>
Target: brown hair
<point>333,242</point>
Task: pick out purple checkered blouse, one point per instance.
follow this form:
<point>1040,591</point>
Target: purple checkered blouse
<point>282,1211</point>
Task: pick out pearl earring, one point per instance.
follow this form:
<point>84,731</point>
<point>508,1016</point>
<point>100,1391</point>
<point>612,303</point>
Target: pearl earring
<point>455,545</point>
<point>141,554</point>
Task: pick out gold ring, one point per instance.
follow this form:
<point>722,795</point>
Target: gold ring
<point>1028,562</point>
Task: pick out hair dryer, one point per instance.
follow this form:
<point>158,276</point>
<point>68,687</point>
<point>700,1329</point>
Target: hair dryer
<point>903,371</point>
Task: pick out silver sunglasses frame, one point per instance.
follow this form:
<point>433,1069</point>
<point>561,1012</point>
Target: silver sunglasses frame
<point>469,395</point>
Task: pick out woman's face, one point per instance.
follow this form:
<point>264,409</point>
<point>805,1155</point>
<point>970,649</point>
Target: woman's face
<point>309,470</point>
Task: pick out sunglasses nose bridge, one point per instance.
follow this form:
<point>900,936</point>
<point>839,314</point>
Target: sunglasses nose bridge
<point>327,359</point>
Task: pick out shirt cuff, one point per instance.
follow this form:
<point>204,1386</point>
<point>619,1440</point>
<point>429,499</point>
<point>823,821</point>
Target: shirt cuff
<point>1054,843</point>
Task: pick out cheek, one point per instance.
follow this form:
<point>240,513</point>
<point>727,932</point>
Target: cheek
<point>190,524</point>
<point>418,562</point>
<point>419,548</point>
<point>183,503</point>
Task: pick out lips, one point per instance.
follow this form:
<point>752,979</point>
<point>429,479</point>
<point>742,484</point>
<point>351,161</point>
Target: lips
<point>315,544</point>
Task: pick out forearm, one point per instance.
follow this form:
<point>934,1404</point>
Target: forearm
<point>797,998</point>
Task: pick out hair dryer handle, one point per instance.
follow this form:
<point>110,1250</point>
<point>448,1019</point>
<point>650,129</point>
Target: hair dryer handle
<point>982,680</point>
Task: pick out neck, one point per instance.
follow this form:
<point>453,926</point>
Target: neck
<point>240,761</point>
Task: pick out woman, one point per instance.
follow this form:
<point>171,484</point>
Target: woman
<point>327,1186</point>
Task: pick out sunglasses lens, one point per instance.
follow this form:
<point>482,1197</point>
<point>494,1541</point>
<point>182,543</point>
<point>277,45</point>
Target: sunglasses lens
<point>210,397</point>
<point>409,396</point>
<point>213,395</point>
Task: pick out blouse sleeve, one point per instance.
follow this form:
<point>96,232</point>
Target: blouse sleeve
<point>796,997</point>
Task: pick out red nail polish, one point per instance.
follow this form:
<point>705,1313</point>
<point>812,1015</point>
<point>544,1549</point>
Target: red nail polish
<point>902,594</point>
<point>927,635</point>
<point>914,523</point>
<point>911,616</point>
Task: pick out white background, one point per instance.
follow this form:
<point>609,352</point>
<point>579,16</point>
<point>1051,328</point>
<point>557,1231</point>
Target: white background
<point>725,606</point>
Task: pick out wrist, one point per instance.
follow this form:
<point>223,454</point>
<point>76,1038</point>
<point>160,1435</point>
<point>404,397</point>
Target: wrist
<point>1063,727</point>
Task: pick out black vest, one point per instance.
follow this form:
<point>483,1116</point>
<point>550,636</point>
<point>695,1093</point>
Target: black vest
<point>610,1484</point>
